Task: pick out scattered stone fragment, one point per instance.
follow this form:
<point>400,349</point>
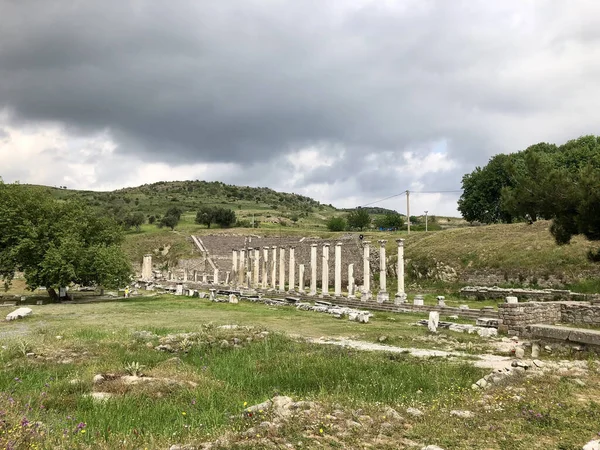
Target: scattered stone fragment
<point>481,383</point>
<point>19,314</point>
<point>414,412</point>
<point>391,413</point>
<point>592,445</point>
<point>382,338</point>
<point>535,350</point>
<point>432,447</point>
<point>538,363</point>
<point>519,352</point>
<point>462,414</point>
<point>100,396</point>
<point>579,382</point>
<point>98,379</point>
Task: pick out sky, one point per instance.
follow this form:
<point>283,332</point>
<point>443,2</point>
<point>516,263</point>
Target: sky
<point>345,101</point>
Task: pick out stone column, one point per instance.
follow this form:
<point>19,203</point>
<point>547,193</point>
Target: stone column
<point>185,275</point>
<point>325,274</point>
<point>401,294</point>
<point>338,270</point>
<point>366,293</point>
<point>382,295</point>
<point>281,269</point>
<point>242,270</point>
<point>250,267</point>
<point>313,269</point>
<point>195,276</point>
<point>227,274</point>
<point>204,278</point>
<point>216,276</point>
<point>292,270</point>
<point>351,281</point>
<point>147,268</point>
<point>274,267</point>
<point>265,268</point>
<point>234,267</point>
<point>170,276</point>
<point>301,278</point>
<point>256,281</point>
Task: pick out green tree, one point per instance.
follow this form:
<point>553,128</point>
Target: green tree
<point>206,216</point>
<point>135,219</point>
<point>390,220</point>
<point>57,243</point>
<point>336,224</point>
<point>224,217</point>
<point>359,218</point>
<point>168,221</point>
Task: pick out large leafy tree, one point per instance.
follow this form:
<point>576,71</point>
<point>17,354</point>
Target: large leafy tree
<point>57,243</point>
<point>207,215</point>
<point>359,218</point>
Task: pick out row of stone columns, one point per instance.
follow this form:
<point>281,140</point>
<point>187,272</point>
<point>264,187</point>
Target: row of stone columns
<point>249,270</point>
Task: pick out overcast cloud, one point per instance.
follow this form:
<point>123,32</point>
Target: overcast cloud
<point>344,101</point>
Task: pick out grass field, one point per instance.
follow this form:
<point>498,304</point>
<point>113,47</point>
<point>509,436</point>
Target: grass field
<point>203,385</point>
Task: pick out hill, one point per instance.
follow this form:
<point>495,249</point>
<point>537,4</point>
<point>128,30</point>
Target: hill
<point>504,254</point>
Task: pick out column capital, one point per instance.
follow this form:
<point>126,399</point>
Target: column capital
<point>326,244</point>
<point>266,247</point>
<point>282,247</point>
<point>400,242</point>
<point>338,243</point>
<point>366,242</point>
<point>382,242</point>
<point>314,245</point>
<point>274,247</point>
<point>292,247</point>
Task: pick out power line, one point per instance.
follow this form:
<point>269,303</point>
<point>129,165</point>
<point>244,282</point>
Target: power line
<point>412,192</point>
<point>383,199</point>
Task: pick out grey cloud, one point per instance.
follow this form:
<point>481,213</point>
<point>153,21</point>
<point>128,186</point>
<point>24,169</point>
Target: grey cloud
<point>248,81</point>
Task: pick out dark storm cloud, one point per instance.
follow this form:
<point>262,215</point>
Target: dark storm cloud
<point>247,81</point>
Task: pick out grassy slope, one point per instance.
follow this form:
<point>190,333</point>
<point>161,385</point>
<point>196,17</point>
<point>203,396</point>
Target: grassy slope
<point>529,249</point>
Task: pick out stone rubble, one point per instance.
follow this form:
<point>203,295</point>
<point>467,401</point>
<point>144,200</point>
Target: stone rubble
<point>19,314</point>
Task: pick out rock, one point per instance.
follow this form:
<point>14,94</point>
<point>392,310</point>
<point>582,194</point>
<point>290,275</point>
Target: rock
<point>474,387</point>
<point>519,352</point>
<point>382,338</point>
<point>548,349</point>
<point>434,319</point>
<point>391,413</point>
<point>100,396</point>
<point>19,314</point>
<point>481,383</point>
<point>432,447</point>
<point>58,337</point>
<point>592,445</point>
<point>182,447</point>
<point>462,414</point>
<point>535,350</point>
<point>579,382</point>
<point>353,424</point>
<point>414,412</point>
<point>453,317</point>
<point>98,379</point>
<point>164,348</point>
<point>365,420</point>
<point>224,344</point>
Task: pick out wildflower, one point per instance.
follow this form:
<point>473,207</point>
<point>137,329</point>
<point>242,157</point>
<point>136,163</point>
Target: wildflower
<point>320,430</point>
<point>245,403</point>
<point>183,413</point>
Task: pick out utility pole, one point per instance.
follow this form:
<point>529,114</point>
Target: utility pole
<point>408,210</point>
<point>426,221</point>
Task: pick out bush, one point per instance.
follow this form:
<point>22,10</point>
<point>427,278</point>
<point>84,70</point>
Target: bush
<point>336,224</point>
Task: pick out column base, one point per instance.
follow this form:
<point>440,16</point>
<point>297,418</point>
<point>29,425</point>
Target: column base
<point>366,296</point>
<point>400,299</point>
<point>383,297</point>
<point>312,293</point>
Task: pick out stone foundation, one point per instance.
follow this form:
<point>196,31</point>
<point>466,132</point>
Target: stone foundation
<point>517,317</point>
<point>485,293</point>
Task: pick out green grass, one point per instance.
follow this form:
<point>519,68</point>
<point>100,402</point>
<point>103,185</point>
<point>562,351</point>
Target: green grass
<point>97,338</point>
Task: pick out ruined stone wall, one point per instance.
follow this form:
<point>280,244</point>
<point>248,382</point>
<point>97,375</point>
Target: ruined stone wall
<point>484,293</point>
<point>516,316</point>
<point>580,313</point>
